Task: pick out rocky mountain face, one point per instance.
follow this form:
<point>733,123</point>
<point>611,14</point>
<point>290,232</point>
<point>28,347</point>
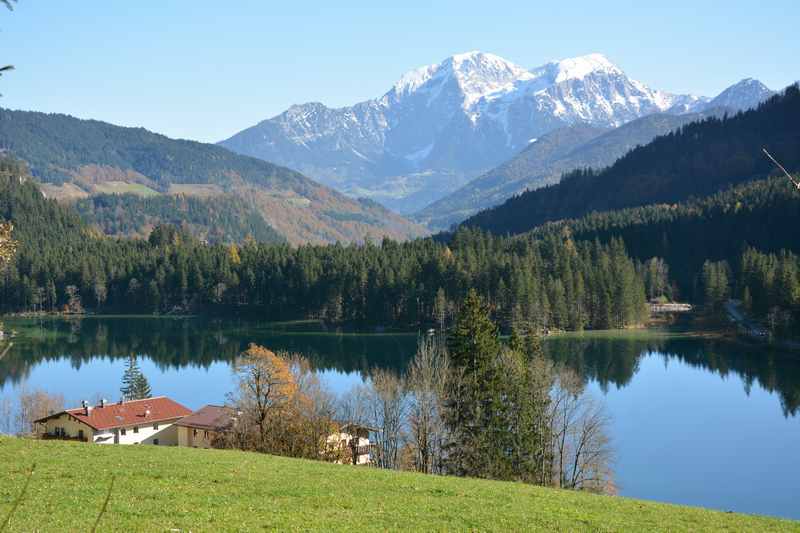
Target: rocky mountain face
<point>443,125</point>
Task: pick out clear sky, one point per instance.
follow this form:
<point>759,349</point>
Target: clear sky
<point>204,70</point>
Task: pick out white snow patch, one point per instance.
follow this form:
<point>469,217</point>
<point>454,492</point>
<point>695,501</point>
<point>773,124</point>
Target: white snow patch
<point>419,155</point>
<point>577,68</point>
<point>359,154</point>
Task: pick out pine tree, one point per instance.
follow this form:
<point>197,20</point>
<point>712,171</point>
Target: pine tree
<point>141,388</point>
<point>440,309</point>
<point>747,299</point>
<point>474,397</point>
<point>134,383</point>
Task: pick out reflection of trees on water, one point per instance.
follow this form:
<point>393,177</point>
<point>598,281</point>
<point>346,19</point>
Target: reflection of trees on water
<point>614,361</point>
<point>179,343</point>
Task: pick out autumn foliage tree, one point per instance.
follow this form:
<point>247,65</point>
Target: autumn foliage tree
<point>283,407</point>
<point>266,388</point>
<point>8,246</point>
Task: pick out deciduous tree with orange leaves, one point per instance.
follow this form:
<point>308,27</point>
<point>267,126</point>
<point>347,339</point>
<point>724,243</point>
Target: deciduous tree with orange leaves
<point>283,407</point>
<point>265,393</point>
<point>8,246</point>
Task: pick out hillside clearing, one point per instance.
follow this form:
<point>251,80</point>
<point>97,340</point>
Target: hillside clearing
<point>124,187</point>
<point>162,489</point>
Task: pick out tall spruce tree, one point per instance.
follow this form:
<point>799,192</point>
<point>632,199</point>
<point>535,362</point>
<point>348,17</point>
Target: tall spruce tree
<point>134,383</point>
<point>498,400</point>
<point>474,396</point>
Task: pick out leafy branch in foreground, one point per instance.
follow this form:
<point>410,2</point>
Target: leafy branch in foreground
<point>9,5</point>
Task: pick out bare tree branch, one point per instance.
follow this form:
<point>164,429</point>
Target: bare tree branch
<point>794,181</point>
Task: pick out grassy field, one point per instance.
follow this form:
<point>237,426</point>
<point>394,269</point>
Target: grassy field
<point>182,489</point>
<point>203,190</point>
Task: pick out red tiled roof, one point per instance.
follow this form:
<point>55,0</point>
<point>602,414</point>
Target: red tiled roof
<point>132,413</point>
<point>212,417</point>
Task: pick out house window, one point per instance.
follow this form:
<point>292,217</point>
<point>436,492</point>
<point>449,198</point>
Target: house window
<point>155,441</point>
<point>80,434</point>
<point>136,429</point>
<point>155,427</point>
<point>205,434</point>
<point>123,431</point>
<point>194,432</point>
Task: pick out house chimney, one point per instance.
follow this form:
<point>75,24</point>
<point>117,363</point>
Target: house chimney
<point>102,402</point>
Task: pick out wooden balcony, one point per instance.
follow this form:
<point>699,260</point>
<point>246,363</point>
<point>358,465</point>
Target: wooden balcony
<point>53,436</point>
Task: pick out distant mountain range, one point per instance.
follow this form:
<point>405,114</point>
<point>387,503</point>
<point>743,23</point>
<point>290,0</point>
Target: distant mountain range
<point>75,159</point>
<point>442,125</point>
<point>546,160</point>
<point>699,159</point>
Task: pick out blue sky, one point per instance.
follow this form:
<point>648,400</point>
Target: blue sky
<point>204,70</point>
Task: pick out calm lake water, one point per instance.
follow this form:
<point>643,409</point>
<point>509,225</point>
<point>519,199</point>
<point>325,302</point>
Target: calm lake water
<point>694,422</point>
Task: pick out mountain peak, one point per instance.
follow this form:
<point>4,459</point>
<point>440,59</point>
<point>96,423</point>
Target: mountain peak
<point>477,73</point>
<point>576,68</point>
<point>477,60</point>
<point>443,124</point>
<point>742,95</point>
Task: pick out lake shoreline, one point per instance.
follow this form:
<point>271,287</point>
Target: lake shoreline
<point>686,327</point>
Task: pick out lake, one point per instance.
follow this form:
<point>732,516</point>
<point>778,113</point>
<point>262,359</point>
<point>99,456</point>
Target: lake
<point>694,421</point>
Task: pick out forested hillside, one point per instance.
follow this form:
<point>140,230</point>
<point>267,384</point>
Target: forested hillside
<point>77,158</point>
<point>697,160</point>
<point>216,219</point>
<point>543,283</point>
<point>572,274</point>
<point>547,159</point>
<point>748,234</point>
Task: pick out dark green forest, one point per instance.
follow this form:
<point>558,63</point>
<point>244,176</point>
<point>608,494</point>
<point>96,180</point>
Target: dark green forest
<point>594,272</point>
<point>217,219</point>
<point>696,160</point>
<point>764,214</point>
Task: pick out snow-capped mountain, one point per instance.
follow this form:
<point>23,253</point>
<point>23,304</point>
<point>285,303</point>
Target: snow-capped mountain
<point>441,125</point>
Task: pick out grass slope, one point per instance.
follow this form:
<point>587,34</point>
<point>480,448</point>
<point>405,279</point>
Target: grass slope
<point>162,489</point>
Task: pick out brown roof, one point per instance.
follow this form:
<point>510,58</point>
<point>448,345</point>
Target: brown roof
<point>132,413</point>
<point>214,417</point>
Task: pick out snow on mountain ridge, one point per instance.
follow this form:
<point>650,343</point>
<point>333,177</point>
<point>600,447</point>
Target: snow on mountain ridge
<point>440,125</point>
<point>577,68</point>
<point>477,74</point>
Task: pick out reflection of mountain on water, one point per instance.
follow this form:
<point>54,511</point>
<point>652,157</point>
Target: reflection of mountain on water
<point>179,343</point>
<point>616,360</point>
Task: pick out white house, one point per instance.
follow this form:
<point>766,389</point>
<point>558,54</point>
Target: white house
<point>352,440</point>
<point>149,421</point>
